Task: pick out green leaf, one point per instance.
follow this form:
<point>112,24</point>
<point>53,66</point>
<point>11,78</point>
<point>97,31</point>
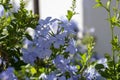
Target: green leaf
<point>42,70</point>
<point>108,4</point>
<point>115,43</point>
<point>97,1</point>
<point>84,58</point>
<point>28,37</point>
<point>108,57</point>
<point>99,66</point>
<point>104,74</point>
<point>78,66</point>
<point>110,63</point>
<point>97,5</point>
<point>69,14</point>
<point>114,20</point>
<point>118,67</point>
<point>33,70</point>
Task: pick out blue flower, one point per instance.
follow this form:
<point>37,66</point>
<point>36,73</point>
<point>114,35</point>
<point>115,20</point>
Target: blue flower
<point>72,69</point>
<point>59,40</point>
<point>63,65</point>
<point>103,61</point>
<point>74,77</point>
<point>29,56</point>
<point>44,22</point>
<point>68,27</point>
<point>30,53</point>
<point>72,24</point>
<point>55,29</point>
<point>43,76</point>
<point>91,74</point>
<point>62,78</point>
<point>71,47</point>
<point>51,76</point>
<point>44,53</point>
<point>8,74</point>
<point>1,10</point>
<point>42,31</point>
<point>47,21</point>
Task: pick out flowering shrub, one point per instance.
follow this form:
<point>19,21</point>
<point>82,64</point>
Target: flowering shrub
<point>48,49</point>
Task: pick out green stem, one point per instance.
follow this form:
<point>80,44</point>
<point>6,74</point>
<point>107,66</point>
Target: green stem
<point>112,35</point>
<point>89,53</point>
<point>117,4</point>
<point>116,8</point>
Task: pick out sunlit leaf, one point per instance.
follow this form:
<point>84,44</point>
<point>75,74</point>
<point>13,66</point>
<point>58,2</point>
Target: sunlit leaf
<point>69,14</point>
<point>108,4</point>
<point>33,70</point>
<point>97,5</point>
<point>97,1</point>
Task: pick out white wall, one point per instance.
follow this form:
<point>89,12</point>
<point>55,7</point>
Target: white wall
<point>97,18</point>
<point>58,9</point>
<point>29,5</point>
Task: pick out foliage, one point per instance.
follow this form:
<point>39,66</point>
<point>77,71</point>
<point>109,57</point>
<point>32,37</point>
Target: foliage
<point>72,12</point>
<point>13,27</point>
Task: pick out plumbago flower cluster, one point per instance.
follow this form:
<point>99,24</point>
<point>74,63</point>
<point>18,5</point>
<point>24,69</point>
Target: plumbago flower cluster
<point>53,42</point>
<point>50,33</point>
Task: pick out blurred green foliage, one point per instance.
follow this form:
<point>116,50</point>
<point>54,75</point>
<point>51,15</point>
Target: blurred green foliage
<point>12,33</point>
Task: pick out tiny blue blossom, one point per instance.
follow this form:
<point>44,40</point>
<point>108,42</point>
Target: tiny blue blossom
<point>51,76</point>
<point>44,22</point>
<point>103,61</point>
<point>59,40</point>
<point>29,53</point>
<point>68,27</point>
<point>1,10</point>
<point>42,31</point>
<point>74,77</point>
<point>47,21</point>
<point>63,65</point>
<point>71,47</point>
<point>8,74</point>
<point>44,53</point>
<point>72,69</point>
<point>62,78</point>
<point>55,27</point>
<point>43,76</point>
<point>91,74</point>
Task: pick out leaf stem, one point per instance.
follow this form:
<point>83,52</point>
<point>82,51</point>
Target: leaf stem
<point>112,37</point>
